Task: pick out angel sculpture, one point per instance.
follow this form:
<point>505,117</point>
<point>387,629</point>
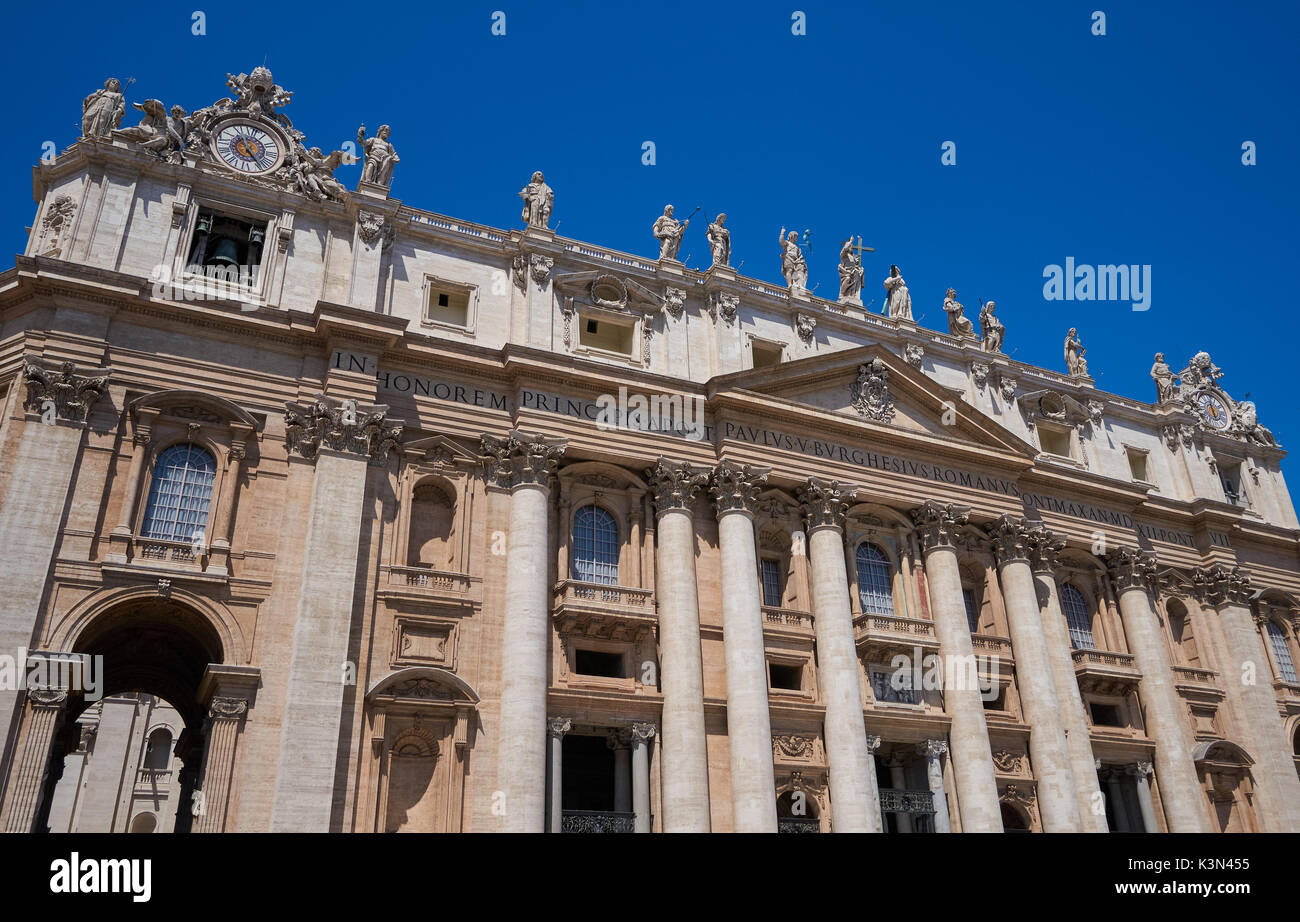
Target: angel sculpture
<point>160,134</point>
<point>313,174</point>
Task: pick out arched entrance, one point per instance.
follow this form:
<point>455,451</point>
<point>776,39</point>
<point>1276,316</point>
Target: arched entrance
<point>147,648</point>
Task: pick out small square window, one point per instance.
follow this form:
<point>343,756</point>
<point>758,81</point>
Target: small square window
<point>1137,464</point>
<point>607,336</point>
<point>1105,715</point>
<point>996,702</point>
<point>1054,441</point>
<point>766,355</point>
<point>448,304</point>
<point>597,663</point>
<point>785,677</point>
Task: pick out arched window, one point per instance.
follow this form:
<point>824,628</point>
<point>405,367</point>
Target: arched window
<point>875,581</point>
<point>158,750</point>
<point>180,494</point>
<point>595,546</point>
<point>1077,619</point>
<point>1281,653</point>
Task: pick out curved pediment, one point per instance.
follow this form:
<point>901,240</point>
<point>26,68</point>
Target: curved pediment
<point>425,683</point>
<point>195,405</point>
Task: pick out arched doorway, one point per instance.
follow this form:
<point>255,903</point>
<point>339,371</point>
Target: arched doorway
<point>150,649</point>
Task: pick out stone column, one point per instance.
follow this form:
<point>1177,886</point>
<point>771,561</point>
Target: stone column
<point>873,744</point>
<point>685,764</point>
<point>524,463</point>
<point>1057,797</point>
<point>968,742</point>
<point>934,751</point>
<point>854,800</point>
<point>230,691</point>
<point>557,727</point>
<point>1074,721</point>
<point>1251,696</point>
<point>340,438</point>
<point>120,539</point>
<point>621,742</point>
<point>642,733</point>
<point>749,725</point>
<point>1166,716</point>
<point>31,513</point>
<point>46,708</point>
<point>1141,772</point>
<point>898,781</point>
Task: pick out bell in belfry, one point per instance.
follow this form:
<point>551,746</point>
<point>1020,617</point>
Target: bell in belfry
<point>226,253</point>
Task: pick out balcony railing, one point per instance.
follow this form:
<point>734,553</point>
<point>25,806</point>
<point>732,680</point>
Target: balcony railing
<point>597,821</point>
<point>152,780</point>
<point>603,595</point>
<point>913,803</point>
<point>798,824</point>
<point>1191,675</point>
<point>989,645</point>
<point>787,619</point>
<point>1105,672</point>
<point>427,579</point>
<point>878,636</point>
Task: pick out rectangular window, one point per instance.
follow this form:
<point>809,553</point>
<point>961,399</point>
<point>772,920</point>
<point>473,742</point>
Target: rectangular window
<point>596,663</point>
<point>1054,442</point>
<point>765,354</point>
<point>1105,715</point>
<point>771,574</point>
<point>1137,464</point>
<point>604,335</point>
<point>997,702</point>
<point>786,677</point>
<point>227,248</point>
<point>1230,477</point>
<point>447,304</point>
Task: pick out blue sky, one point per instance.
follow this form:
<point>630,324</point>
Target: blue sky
<point>1123,148</point>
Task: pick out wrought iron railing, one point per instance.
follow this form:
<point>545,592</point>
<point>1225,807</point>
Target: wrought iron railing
<point>597,821</point>
<point>913,803</point>
<point>798,824</point>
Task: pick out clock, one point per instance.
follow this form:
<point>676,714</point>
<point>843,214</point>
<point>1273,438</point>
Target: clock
<point>1214,411</point>
<point>247,147</point>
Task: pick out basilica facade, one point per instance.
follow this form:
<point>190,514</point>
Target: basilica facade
<point>424,525</point>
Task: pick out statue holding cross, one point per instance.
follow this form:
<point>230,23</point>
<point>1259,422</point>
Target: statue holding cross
<point>851,273</point>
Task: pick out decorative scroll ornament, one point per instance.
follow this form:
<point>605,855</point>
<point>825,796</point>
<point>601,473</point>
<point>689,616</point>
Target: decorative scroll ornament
<point>793,747</point>
<point>1179,432</point>
<point>675,302</point>
<point>1131,568</point>
<point>343,426</point>
<point>223,708</point>
<point>913,354</point>
<point>558,726</point>
<point>804,325</point>
<point>979,371</point>
<point>674,484</point>
<point>65,393</point>
<point>735,486</point>
<point>57,220</point>
<point>824,503</point>
<point>724,305</point>
<point>1007,386</point>
<point>933,748</point>
<point>1220,585</point>
<point>642,731</point>
<point>522,458</point>
<point>871,397</point>
<point>48,697</point>
<point>938,523</point>
<point>1021,797</point>
<point>369,226</point>
<point>1008,761</point>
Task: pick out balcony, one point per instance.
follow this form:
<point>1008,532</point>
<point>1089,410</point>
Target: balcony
<point>1105,673</point>
<point>596,821</point>
<point>918,806</point>
<point>152,782</point>
<point>1192,678</point>
<point>427,585</point>
<point>158,558</point>
<point>1287,691</point>
<point>798,824</point>
<point>603,610</point>
<point>787,621</point>
<point>879,637</point>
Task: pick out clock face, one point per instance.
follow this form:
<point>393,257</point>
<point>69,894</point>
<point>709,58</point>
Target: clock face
<point>1214,411</point>
<point>248,148</point>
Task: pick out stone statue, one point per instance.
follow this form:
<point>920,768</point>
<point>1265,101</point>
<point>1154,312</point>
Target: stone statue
<point>793,266</point>
<point>381,157</point>
<point>899,303</point>
<point>160,134</point>
<point>958,323</point>
<point>102,110</point>
<point>313,174</point>
<point>720,240</point>
<point>1247,425</point>
<point>1164,378</point>
<point>538,198</point>
<point>669,232</point>
<point>992,329</point>
<point>1075,363</point>
<point>851,276</point>
<point>259,94</point>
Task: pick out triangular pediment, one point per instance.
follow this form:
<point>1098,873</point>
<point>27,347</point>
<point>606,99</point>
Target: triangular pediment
<point>874,385</point>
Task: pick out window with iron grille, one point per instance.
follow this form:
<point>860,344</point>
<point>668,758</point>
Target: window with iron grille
<point>972,610</point>
<point>1282,653</point>
<point>595,546</point>
<point>875,581</point>
<point>770,571</point>
<point>1077,618</point>
<point>180,494</point>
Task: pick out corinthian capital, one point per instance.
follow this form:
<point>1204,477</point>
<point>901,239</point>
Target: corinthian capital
<point>522,458</point>
<point>825,503</point>
<point>674,484</point>
<point>1046,550</point>
<point>937,523</point>
<point>1220,585</point>
<point>1131,568</point>
<point>345,426</point>
<point>735,486</point>
<point>1012,538</point>
<point>63,393</point>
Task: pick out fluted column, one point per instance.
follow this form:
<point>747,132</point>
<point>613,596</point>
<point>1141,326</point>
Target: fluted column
<point>231,691</point>
<point>1115,789</point>
<point>1074,721</point>
<point>972,760</point>
<point>642,733</point>
<point>873,745</point>
<point>1141,772</point>
<point>854,800</point>
<point>934,751</point>
<point>45,713</point>
<point>1250,693</point>
<point>685,767</point>
<point>524,462</point>
<point>620,742</point>
<point>1166,717</point>
<point>556,728</point>
<point>749,725</point>
<point>1057,799</point>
